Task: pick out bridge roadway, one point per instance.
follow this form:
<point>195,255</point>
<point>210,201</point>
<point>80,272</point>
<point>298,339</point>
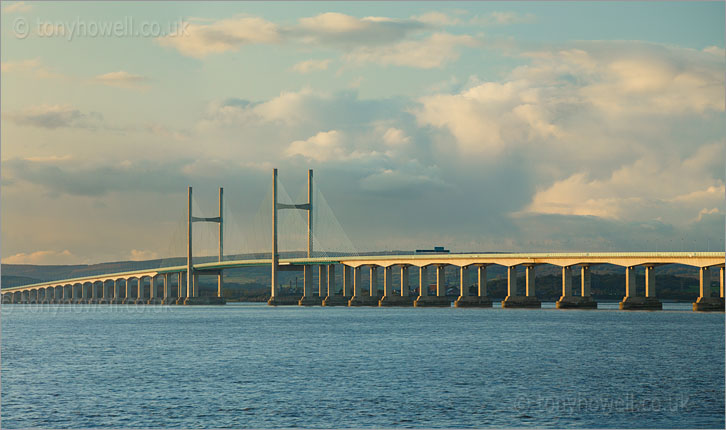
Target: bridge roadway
<point>132,287</point>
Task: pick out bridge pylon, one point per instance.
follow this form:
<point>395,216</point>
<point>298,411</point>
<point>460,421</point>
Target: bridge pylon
<point>275,298</point>
<point>193,297</point>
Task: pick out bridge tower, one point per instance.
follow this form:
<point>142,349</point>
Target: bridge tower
<point>192,284</point>
<point>275,258</point>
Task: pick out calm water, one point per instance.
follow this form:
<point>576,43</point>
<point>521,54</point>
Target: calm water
<point>254,366</point>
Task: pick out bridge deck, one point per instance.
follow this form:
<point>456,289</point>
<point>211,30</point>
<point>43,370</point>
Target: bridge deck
<point>626,259</point>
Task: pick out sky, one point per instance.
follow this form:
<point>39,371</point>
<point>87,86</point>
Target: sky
<point>479,126</point>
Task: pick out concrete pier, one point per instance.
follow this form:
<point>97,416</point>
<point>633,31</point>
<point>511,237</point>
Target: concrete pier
<point>359,299</point>
<point>480,300</point>
<point>706,302</point>
<point>440,299</point>
<point>570,301</point>
<point>632,301</point>
<point>333,298</point>
<point>390,298</point>
<point>514,299</point>
<point>154,298</point>
<point>311,295</point>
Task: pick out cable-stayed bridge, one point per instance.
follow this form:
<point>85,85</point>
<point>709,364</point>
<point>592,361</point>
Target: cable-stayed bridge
<point>179,284</point>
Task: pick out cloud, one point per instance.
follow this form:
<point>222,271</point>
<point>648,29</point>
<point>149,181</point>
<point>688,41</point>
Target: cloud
<point>324,146</point>
<point>627,78</point>
<point>343,30</point>
<point>142,255</point>
<point>202,39</point>
<point>56,116</point>
<point>407,177</point>
<point>438,19</point>
<point>73,177</point>
<point>502,18</point>
<point>432,52</point>
<point>167,133</point>
<point>675,191</point>
<point>563,95</point>
<point>43,258</point>
<point>331,28</point>
<point>311,66</point>
<point>122,79</point>
<point>31,66</point>
<point>395,137</point>
<point>17,6</point>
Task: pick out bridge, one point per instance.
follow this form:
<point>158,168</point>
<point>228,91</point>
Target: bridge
<point>180,284</point>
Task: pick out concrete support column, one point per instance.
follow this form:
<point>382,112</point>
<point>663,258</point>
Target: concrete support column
<point>152,288</point>
<point>529,276</point>
<point>105,291</point>
<point>705,302</point>
<point>441,281</point>
<point>331,280</point>
<point>705,282</point>
<point>567,281</point>
<point>464,281</point>
<point>308,281</point>
<point>195,285</point>
<point>404,281</point>
<point>630,290</point>
<point>167,287</point>
<point>84,292</point>
<point>357,284</point>
<point>482,280</point>
<point>721,280</point>
<point>116,289</point>
<point>388,281</point>
<point>512,281</point>
<point>180,285</point>
<point>322,280</point>
<point>423,281</point>
<point>631,300</point>
<point>650,281</point>
<point>374,281</point>
<point>585,281</point>
<point>347,281</point>
<point>139,289</point>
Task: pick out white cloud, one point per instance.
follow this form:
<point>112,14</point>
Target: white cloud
<point>332,22</point>
<point>567,96</point>
<point>202,39</point>
<point>324,146</point>
<point>56,116</point>
<point>311,66</point>
<point>439,19</point>
<point>395,137</point>
<point>17,6</point>
<point>122,79</point>
<point>405,177</point>
<point>142,255</point>
<point>428,53</point>
<point>675,191</point>
<point>31,66</point>
<point>502,18</point>
<point>347,31</point>
<point>43,258</point>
